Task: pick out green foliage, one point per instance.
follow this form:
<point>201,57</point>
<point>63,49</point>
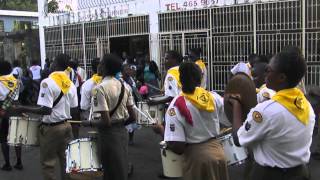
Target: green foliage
<point>19,5</point>
<point>53,6</point>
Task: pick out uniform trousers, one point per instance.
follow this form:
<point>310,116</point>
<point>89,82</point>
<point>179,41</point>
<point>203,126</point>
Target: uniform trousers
<point>53,143</point>
<point>205,161</point>
<point>267,173</point>
<point>113,146</point>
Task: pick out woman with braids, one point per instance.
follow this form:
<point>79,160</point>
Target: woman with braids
<point>192,125</point>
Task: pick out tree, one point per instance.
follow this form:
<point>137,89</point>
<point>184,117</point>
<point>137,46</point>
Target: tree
<point>53,6</point>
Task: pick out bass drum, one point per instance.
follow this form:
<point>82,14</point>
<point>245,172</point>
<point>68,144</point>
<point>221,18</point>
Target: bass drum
<point>243,85</point>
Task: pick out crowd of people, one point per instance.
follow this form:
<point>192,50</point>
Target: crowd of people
<point>277,132</point>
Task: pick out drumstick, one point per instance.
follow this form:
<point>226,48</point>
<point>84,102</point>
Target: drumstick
<point>142,113</point>
<point>74,122</point>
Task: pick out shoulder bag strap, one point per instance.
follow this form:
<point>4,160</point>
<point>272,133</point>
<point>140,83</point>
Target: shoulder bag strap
<point>119,100</point>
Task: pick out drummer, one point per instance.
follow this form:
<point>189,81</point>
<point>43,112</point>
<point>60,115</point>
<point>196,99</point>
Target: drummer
<point>87,87</point>
<point>8,83</point>
<point>192,125</point>
<point>172,85</point>
<point>258,75</point>
<point>57,101</point>
<point>279,131</point>
<point>194,55</point>
<point>114,102</point>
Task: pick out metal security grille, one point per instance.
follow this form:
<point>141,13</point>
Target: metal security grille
<point>269,44</point>
<point>52,35</point>
<point>94,30</point>
<point>232,19</point>
<point>74,51</point>
<point>313,14</point>
<point>72,34</point>
<point>284,15</point>
<point>234,32</point>
<point>184,20</point>
<point>52,51</point>
<point>138,25</point>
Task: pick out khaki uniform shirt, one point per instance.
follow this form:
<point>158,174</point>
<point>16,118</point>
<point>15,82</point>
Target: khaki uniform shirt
<point>106,95</point>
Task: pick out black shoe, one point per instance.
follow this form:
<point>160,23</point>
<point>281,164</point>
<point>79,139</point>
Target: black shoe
<point>6,167</point>
<point>130,169</point>
<point>18,166</point>
<point>130,142</point>
<point>315,155</point>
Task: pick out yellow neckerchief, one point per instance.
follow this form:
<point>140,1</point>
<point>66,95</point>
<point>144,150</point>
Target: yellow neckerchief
<point>9,81</point>
<point>175,73</point>
<point>201,99</point>
<point>69,70</point>
<point>96,78</point>
<point>295,102</point>
<point>62,80</point>
<point>201,64</point>
<point>261,87</point>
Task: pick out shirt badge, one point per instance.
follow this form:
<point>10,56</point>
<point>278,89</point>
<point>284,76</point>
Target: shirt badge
<point>44,85</point>
<point>10,84</point>
<point>299,102</point>
<point>170,78</point>
<point>172,127</point>
<point>257,117</point>
<point>266,95</point>
<point>172,112</point>
<point>42,95</point>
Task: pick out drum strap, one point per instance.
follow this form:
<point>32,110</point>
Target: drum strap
<point>119,100</point>
<point>58,99</point>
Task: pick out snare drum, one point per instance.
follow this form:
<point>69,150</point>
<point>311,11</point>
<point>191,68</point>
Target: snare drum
<point>156,113</point>
<point>23,131</point>
<point>235,155</point>
<point>82,158</point>
<point>171,162</point>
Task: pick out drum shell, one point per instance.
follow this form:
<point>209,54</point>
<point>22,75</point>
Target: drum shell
<point>172,163</point>
<point>82,158</point>
<point>234,155</point>
<point>243,85</point>
<point>23,131</point>
<point>156,112</point>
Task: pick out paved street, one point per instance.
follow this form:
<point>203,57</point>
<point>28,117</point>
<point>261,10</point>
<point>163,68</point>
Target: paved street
<point>145,155</point>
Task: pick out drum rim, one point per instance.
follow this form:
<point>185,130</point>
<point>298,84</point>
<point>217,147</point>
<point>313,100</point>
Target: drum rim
<point>87,139</point>
<point>24,118</point>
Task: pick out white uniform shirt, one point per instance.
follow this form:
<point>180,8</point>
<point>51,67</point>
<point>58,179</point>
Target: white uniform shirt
<point>18,72</point>
<point>276,137</point>
<point>265,94</point>
<point>171,87</point>
<point>82,73</point>
<point>36,72</point>
<point>4,91</point>
<point>241,67</point>
<point>205,124</point>
<point>86,94</point>
<point>49,92</point>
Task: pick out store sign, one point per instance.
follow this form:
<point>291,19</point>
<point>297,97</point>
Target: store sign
<point>178,5</point>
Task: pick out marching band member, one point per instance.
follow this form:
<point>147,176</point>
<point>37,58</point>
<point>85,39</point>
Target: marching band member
<point>172,85</point>
<point>194,55</point>
<point>87,87</point>
<point>258,75</point>
<point>114,102</point>
<point>57,102</point>
<point>8,85</point>
<point>279,131</point>
<point>192,125</point>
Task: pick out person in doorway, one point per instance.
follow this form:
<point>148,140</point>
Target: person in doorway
<point>151,76</point>
<point>192,128</point>
<point>8,89</point>
<point>57,103</point>
<point>279,131</point>
<point>114,102</point>
<point>35,70</point>
<point>194,56</point>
